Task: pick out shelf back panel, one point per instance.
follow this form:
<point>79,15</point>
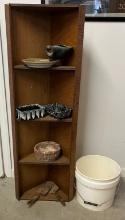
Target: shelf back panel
<point>64,30</point>
<point>31,176</point>
<point>43,87</point>
<point>31,33</point>
<point>62,88</point>
<point>62,135</point>
<point>29,134</point>
<point>31,87</point>
<point>33,30</point>
<point>60,175</point>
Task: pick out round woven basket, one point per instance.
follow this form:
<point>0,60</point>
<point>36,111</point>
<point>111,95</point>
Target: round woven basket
<point>47,150</point>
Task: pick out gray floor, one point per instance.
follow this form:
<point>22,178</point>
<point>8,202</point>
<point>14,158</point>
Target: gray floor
<point>10,209</point>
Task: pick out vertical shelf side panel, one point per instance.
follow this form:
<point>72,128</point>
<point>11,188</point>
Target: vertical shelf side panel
<point>79,51</point>
<point>67,28</point>
<point>12,95</point>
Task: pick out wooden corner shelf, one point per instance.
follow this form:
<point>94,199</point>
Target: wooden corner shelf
<point>31,159</point>
<point>30,28</point>
<point>66,68</point>
<point>48,119</point>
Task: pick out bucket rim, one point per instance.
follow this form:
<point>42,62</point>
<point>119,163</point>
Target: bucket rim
<point>96,184</point>
<point>99,179</point>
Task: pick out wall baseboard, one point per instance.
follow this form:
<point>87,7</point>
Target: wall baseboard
<point>12,173</point>
<point>123,172</point>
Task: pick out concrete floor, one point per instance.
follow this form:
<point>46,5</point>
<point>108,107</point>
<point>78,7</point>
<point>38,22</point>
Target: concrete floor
<point>11,209</point>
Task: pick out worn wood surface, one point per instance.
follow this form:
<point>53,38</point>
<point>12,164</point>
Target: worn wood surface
<point>79,49</point>
<point>29,29</point>
<point>49,119</point>
<point>66,68</point>
<point>31,159</point>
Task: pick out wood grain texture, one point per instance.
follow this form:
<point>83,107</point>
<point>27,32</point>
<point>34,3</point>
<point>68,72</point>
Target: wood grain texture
<point>29,29</point>
<point>62,135</point>
<point>66,68</point>
<point>62,88</point>
<point>12,97</point>
<point>31,159</point>
<point>52,7</point>
<point>29,134</point>
<point>31,87</point>
<point>49,119</point>
<point>79,49</point>
<point>31,176</point>
<point>60,175</point>
<point>65,32</point>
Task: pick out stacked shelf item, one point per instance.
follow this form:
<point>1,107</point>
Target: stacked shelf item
<point>29,29</point>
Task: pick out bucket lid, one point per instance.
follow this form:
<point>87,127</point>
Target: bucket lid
<point>97,167</point>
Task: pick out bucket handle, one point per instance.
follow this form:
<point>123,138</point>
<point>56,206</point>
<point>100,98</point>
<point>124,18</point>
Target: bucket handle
<point>95,204</point>
<point>118,187</point>
<point>90,203</point>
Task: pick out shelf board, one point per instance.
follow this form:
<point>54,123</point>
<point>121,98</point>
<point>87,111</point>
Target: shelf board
<point>29,194</point>
<point>64,68</point>
<point>67,68</point>
<point>48,119</point>
<point>31,159</point>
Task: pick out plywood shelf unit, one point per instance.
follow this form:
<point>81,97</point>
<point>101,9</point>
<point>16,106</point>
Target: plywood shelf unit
<point>29,29</point>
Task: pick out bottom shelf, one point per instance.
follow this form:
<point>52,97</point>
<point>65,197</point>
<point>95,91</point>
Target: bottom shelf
<point>29,194</point>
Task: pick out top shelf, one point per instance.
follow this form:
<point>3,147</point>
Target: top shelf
<point>67,68</point>
<point>45,6</point>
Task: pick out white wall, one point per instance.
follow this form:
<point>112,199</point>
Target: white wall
<point>5,119</point>
<point>1,159</point>
<point>4,128</point>
<point>1,152</point>
<point>101,127</point>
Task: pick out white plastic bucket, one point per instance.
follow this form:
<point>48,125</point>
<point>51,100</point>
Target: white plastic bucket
<point>97,178</point>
